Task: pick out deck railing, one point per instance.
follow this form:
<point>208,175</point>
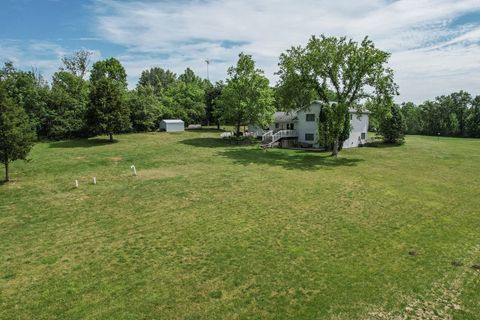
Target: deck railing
<point>267,137</point>
<point>270,137</point>
<point>284,134</point>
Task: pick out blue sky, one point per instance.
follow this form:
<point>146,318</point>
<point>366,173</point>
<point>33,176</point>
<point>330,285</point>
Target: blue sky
<point>435,44</point>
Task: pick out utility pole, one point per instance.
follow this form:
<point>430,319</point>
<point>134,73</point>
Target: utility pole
<point>208,75</point>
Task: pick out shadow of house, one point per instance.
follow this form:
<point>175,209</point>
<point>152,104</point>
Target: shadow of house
<point>81,143</point>
<point>288,159</point>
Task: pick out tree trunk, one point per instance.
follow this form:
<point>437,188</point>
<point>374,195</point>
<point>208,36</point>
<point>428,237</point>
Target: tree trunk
<point>111,137</point>
<point>238,129</point>
<point>335,148</point>
<point>7,177</point>
<point>218,125</point>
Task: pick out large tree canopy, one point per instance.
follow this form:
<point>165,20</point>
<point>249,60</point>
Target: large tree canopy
<point>247,96</point>
<point>66,116</point>
<point>335,70</point>
<point>108,112</point>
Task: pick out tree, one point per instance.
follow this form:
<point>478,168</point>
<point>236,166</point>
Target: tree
<point>29,90</point>
<point>473,120</point>
<point>326,125</point>
<point>17,134</point>
<point>412,117</point>
<point>157,79</point>
<point>247,96</point>
<point>108,112</point>
<point>339,72</point>
<point>68,99</point>
<point>78,63</point>
<point>211,95</point>
<point>460,103</point>
<point>68,103</point>
<point>393,126</point>
<point>189,96</point>
<point>146,110</point>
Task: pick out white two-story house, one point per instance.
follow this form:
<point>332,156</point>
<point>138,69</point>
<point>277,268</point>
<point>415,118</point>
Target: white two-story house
<point>300,129</point>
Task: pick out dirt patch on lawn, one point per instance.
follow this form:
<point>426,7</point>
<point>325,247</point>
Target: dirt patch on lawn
<point>440,303</point>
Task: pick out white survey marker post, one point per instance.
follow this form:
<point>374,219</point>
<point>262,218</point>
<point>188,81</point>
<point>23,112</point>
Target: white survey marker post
<point>134,170</point>
<point>94,180</point>
<point>76,183</point>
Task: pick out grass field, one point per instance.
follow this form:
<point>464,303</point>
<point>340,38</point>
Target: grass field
<point>209,230</point>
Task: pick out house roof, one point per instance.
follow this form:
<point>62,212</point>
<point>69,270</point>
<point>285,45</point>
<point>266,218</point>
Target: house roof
<point>285,116</point>
<point>172,121</point>
<point>351,110</point>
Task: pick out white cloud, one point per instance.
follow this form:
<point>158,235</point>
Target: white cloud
<point>430,54</point>
<point>188,32</point>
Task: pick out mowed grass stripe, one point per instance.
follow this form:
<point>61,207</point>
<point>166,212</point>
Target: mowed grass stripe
<point>213,230</point>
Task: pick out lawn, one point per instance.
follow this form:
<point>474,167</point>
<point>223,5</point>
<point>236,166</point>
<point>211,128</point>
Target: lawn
<point>209,230</point>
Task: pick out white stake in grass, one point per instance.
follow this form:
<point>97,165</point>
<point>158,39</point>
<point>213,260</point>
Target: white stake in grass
<point>76,183</point>
<point>134,170</point>
<point>94,180</point>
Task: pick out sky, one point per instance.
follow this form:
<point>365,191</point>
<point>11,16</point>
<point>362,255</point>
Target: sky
<point>434,44</point>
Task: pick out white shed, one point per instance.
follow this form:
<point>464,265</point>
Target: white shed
<point>172,125</point>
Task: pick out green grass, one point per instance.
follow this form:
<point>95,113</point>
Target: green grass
<point>209,230</point>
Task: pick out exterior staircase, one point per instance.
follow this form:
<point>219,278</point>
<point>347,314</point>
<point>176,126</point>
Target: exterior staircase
<point>272,137</point>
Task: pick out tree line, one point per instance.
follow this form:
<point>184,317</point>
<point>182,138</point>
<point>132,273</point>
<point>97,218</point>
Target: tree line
<point>453,115</point>
<point>73,106</point>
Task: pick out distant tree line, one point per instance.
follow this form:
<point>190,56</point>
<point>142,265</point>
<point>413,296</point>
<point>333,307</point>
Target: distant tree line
<point>454,115</point>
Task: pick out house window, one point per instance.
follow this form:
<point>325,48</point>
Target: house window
<point>351,116</point>
<point>277,125</point>
<point>309,136</point>
<point>364,135</point>
<point>310,117</point>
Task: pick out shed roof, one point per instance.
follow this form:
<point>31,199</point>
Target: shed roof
<point>172,121</point>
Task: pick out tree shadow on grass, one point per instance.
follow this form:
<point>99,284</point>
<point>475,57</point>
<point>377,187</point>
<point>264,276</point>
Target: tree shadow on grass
<point>381,144</point>
<point>288,159</point>
<point>205,130</point>
<point>212,143</point>
<point>82,143</point>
